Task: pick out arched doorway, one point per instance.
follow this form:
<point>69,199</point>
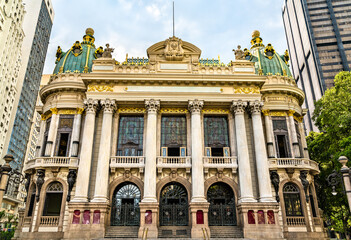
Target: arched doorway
<point>174,205</point>
<point>222,210</point>
<point>125,205</point>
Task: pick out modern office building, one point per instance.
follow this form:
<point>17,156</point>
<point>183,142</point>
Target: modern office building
<point>171,146</point>
<point>319,40</point>
<point>11,37</point>
<point>37,27</point>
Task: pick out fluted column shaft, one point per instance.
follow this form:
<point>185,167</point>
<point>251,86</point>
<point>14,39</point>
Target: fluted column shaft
<point>76,132</point>
<point>41,137</point>
<point>197,172</point>
<point>269,134</point>
<point>262,167</point>
<point>152,106</point>
<point>245,180</point>
<point>82,186</point>
<point>103,166</point>
<point>295,143</point>
<point>52,132</point>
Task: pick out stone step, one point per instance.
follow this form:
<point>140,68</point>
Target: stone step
<point>226,232</point>
<point>125,232</point>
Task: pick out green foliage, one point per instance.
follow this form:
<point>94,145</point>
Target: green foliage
<point>6,235</point>
<point>332,115</point>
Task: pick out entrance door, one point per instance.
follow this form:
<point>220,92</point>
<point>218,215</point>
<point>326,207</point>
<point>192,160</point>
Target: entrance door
<point>222,210</point>
<point>125,205</point>
<point>174,205</point>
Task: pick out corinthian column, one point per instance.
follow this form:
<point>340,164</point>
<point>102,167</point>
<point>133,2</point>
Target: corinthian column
<point>41,137</point>
<point>269,133</point>
<point>81,194</point>
<point>264,183</point>
<point>245,181</point>
<point>52,132</point>
<point>76,132</point>
<point>197,172</point>
<point>295,143</point>
<point>103,166</point>
<point>152,106</point>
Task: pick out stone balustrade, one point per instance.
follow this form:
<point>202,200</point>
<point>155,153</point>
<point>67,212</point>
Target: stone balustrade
<point>174,162</point>
<point>127,162</point>
<point>47,162</point>
<point>220,163</point>
<point>302,163</point>
<point>295,221</point>
<point>49,220</point>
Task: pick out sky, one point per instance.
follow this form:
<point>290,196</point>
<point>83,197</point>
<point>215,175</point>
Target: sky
<point>131,26</point>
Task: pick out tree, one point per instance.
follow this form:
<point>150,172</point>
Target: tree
<point>332,116</point>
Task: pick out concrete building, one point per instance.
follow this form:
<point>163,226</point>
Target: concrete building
<point>37,27</point>
<point>171,146</point>
<point>319,40</point>
<point>11,37</point>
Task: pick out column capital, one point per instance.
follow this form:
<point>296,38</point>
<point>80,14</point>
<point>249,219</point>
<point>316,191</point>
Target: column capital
<point>54,110</point>
<point>195,106</point>
<point>152,105</point>
<point>80,110</point>
<point>256,107</point>
<point>90,105</point>
<point>238,107</point>
<point>265,112</point>
<point>291,112</point>
<point>108,105</point>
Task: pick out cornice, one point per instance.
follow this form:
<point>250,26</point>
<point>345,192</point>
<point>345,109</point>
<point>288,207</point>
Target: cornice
<point>61,86</point>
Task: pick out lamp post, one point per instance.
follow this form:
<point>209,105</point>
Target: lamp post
<point>335,178</point>
<point>4,171</point>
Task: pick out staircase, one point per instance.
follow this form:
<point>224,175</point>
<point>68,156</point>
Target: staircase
<point>122,232</point>
<point>174,232</point>
<point>226,232</point>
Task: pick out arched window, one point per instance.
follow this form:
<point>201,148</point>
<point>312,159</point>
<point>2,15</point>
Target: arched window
<point>292,200</point>
<point>53,199</point>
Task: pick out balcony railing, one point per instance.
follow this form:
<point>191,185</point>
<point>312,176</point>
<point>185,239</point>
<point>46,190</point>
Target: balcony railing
<point>127,162</point>
<point>27,221</point>
<point>303,163</point>
<point>220,163</point>
<point>40,162</point>
<point>295,221</point>
<point>174,162</point>
<point>49,221</point>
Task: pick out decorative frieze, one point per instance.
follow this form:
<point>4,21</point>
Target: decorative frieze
<point>216,110</point>
<point>238,107</point>
<point>195,106</point>
<point>54,110</point>
<point>247,90</point>
<point>100,88</point>
<point>131,110</point>
<point>174,110</point>
<point>152,105</point>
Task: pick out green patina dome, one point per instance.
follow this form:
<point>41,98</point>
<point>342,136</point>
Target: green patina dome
<point>267,60</point>
<point>80,57</point>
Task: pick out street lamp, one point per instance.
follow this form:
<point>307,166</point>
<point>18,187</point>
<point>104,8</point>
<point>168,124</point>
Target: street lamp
<point>335,178</point>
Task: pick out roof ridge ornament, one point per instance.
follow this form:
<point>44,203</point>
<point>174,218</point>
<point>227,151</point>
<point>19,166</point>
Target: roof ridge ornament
<point>256,40</point>
<point>174,49</point>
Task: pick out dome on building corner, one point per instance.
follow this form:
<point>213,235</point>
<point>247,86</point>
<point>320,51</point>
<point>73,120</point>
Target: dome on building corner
<point>267,60</point>
<point>79,58</point>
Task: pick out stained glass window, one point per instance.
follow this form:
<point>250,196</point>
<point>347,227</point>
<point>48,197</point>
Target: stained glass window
<point>292,200</point>
<point>130,136</point>
<point>216,134</point>
<point>173,131</point>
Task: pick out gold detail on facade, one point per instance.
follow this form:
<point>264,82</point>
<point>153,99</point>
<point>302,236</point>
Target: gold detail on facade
<point>174,110</point>
<point>247,90</point>
<point>216,110</point>
<point>269,51</point>
<point>100,88</point>
<point>54,110</point>
<point>67,111</point>
<point>80,110</point>
<point>291,112</point>
<point>131,110</point>
<point>299,118</point>
<point>76,49</point>
<point>278,114</point>
<point>45,116</point>
<point>265,112</point>
<point>86,68</point>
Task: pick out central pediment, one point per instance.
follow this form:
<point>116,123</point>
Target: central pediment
<point>175,50</point>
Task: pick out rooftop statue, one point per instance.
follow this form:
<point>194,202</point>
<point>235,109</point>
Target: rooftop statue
<point>108,51</point>
<point>239,54</point>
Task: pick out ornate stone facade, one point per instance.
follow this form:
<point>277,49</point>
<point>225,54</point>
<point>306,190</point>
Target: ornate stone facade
<point>187,153</point>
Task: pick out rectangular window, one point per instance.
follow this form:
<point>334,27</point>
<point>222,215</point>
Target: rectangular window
<point>216,135</point>
<point>46,133</point>
<point>281,137</point>
<point>130,136</point>
<point>64,132</point>
<point>173,135</point>
<point>298,138</point>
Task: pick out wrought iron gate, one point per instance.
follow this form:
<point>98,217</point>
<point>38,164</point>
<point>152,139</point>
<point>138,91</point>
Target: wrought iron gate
<point>174,205</point>
<point>125,206</point>
<point>222,211</point>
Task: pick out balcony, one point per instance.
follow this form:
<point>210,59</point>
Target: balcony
<point>220,163</point>
<point>173,162</point>
<point>295,221</point>
<point>49,221</point>
<point>52,162</point>
<point>301,163</point>
<point>127,162</point>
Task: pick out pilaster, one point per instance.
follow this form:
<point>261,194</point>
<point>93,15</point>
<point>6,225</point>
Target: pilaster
<point>52,132</point>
